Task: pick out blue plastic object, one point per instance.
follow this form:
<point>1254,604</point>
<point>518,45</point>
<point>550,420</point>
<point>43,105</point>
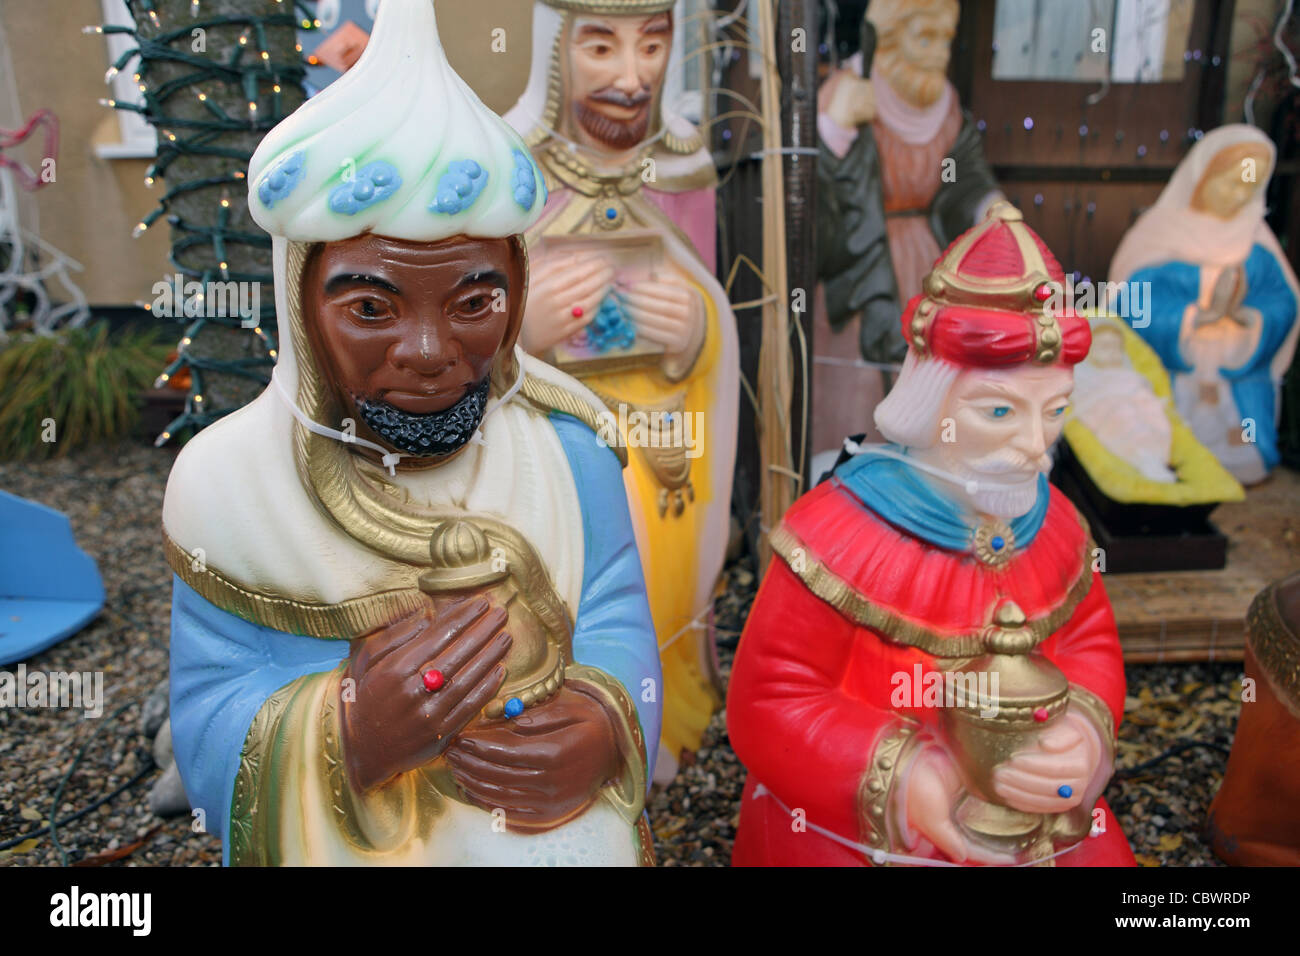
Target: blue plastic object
<point>49,588</point>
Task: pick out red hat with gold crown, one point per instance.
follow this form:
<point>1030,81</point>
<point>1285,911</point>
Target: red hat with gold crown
<point>990,300</point>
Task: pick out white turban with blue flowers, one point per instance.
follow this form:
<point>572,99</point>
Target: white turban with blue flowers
<point>399,146</point>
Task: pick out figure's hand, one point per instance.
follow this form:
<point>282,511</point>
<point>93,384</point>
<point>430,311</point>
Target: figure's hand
<point>933,790</point>
<point>541,768</point>
<point>1067,755</point>
<point>848,99</point>
<point>564,293</point>
<point>667,313</point>
<point>392,723</point>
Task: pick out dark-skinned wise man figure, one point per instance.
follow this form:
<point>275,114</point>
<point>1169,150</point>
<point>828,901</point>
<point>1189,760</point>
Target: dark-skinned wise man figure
<point>409,623</point>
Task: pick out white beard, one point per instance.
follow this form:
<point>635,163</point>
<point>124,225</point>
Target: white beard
<point>1006,503</point>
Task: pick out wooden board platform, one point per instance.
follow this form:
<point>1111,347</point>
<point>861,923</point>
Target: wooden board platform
<point>1200,615</point>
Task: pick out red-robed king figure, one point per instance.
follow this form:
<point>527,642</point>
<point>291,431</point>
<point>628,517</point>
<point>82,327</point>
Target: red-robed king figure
<point>931,672</point>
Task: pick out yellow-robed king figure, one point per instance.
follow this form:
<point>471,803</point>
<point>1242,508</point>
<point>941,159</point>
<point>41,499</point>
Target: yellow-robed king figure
<point>624,297</point>
<point>409,622</point>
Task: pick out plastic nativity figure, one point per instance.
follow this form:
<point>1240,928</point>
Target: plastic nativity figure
<point>624,297</point>
<point>930,673</point>
<point>409,623</point>
<point>901,173</point>
<point>1120,407</point>
<point>1223,297</point>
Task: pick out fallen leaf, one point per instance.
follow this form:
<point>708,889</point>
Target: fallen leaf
<point>1170,842</point>
<point>25,847</point>
<point>99,859</point>
<point>27,813</point>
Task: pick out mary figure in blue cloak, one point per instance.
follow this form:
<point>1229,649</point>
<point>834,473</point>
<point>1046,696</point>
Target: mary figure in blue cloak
<point>1222,296</point>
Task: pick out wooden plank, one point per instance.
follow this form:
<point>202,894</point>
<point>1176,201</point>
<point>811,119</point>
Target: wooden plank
<point>1200,615</point>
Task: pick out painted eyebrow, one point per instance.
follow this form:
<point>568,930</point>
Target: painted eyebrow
<point>660,25</point>
<point>596,29</point>
<point>490,277</point>
<point>993,389</point>
<point>357,278</point>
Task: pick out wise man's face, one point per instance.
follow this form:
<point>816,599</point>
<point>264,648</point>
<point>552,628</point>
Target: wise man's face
<point>1002,424</point>
<point>616,67</point>
<point>407,332</point>
<point>914,52</point>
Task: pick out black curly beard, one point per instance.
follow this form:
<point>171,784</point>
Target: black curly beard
<point>431,435</point>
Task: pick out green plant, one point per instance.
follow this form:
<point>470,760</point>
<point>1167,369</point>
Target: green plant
<point>76,387</point>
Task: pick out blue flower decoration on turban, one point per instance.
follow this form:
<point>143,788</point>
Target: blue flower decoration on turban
<point>458,187</point>
<point>281,180</point>
<point>523,184</point>
<point>373,183</point>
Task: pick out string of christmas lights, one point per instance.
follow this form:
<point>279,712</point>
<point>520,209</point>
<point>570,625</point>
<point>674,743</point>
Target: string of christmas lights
<point>262,82</point>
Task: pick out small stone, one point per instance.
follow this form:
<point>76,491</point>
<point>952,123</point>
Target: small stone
<point>155,709</point>
<point>167,796</point>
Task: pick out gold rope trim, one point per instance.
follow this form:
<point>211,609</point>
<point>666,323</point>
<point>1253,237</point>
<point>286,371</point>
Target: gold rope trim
<point>860,609</point>
<point>617,8</point>
<point>552,397</point>
<point>878,782</point>
<point>1276,649</point>
<point>343,621</point>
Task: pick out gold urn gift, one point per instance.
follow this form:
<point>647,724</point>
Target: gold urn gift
<point>481,557</point>
<point>1021,694</point>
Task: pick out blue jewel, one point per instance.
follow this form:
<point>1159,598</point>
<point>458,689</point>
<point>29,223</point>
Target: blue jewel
<point>523,181</point>
<point>997,542</point>
<point>281,181</point>
<point>612,327</point>
<point>514,707</point>
<point>458,187</point>
<point>1065,790</point>
<point>611,213</point>
<point>373,183</point>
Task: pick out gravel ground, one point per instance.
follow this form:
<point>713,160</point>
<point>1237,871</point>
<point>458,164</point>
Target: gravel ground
<point>113,497</point>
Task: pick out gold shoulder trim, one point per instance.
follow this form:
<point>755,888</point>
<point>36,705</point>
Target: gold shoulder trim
<point>343,621</point>
<point>551,397</point>
<point>861,610</point>
<point>1275,647</point>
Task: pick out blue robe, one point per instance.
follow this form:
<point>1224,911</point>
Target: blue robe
<point>224,668</point>
<point>1176,285</point>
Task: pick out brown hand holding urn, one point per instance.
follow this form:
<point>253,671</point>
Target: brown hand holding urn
<point>393,722</point>
<point>543,768</point>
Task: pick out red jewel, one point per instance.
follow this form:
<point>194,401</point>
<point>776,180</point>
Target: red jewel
<point>1040,714</point>
<point>433,680</point>
<point>577,311</point>
<point>1043,292</point>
